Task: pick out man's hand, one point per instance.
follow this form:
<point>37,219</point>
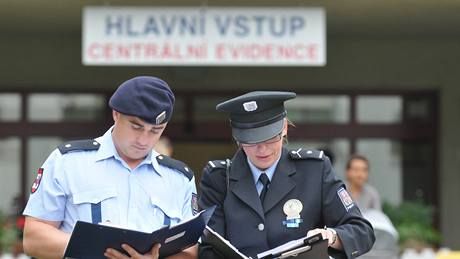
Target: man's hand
<point>114,254</point>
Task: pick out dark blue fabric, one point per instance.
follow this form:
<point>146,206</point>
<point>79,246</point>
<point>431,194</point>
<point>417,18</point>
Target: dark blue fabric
<point>146,97</point>
<point>256,116</point>
<point>96,216</point>
<point>310,180</point>
<point>166,221</point>
<point>263,178</point>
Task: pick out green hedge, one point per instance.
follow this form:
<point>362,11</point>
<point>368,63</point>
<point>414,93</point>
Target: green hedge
<point>8,233</point>
<point>413,221</point>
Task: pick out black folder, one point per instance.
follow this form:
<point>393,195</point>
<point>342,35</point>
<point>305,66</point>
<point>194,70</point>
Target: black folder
<point>222,245</point>
<point>89,241</point>
<point>314,247</point>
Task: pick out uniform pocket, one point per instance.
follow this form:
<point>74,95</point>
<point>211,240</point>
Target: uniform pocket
<point>166,212</point>
<point>96,205</point>
<point>94,196</point>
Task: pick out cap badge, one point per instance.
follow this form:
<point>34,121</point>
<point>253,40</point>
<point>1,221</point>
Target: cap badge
<point>250,106</point>
<point>161,117</point>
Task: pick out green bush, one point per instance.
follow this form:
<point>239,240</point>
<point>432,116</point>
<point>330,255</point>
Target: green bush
<point>413,221</point>
<point>8,233</point>
<point>2,220</point>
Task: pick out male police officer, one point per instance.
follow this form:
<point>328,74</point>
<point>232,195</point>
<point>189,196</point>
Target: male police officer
<point>116,178</point>
<point>269,195</point>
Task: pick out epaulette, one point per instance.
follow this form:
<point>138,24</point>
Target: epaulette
<point>216,164</point>
<point>175,164</point>
<point>307,154</point>
<point>79,145</point>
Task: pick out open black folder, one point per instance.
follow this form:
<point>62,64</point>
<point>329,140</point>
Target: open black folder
<point>89,241</point>
<point>314,247</point>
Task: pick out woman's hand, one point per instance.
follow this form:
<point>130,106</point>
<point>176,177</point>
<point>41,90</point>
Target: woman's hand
<point>332,237</point>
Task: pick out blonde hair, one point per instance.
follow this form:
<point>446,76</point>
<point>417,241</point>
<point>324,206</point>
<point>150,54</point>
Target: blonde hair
<point>289,124</point>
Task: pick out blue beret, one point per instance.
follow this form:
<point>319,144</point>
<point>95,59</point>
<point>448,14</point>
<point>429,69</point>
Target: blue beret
<point>148,98</point>
<point>256,116</point>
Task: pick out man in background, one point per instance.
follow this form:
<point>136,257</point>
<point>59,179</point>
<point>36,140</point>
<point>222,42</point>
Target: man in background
<point>357,175</point>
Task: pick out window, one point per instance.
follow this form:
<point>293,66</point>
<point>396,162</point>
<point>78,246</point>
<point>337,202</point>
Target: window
<point>10,107</point>
<point>38,149</point>
<point>319,109</point>
<point>10,162</point>
<point>65,107</point>
<point>385,167</point>
<point>379,109</point>
<point>205,108</point>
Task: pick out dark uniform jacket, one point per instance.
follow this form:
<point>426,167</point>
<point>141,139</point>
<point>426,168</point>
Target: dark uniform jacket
<point>301,174</point>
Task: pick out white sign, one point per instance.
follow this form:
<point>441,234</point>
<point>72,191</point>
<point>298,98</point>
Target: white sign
<point>237,36</point>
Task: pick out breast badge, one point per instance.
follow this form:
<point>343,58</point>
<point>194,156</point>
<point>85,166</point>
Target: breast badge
<point>292,209</point>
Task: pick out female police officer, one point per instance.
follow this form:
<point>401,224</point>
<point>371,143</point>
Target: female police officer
<point>267,195</point>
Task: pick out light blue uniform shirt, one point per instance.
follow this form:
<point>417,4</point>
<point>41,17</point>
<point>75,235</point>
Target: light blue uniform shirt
<point>142,199</point>
<point>256,172</point>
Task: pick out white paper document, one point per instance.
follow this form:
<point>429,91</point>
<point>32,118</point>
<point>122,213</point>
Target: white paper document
<point>283,248</point>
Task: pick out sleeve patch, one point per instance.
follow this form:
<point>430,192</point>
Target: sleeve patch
<point>37,181</point>
<point>347,201</point>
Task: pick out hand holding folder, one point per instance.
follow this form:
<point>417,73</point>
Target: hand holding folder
<point>89,241</point>
<point>314,247</point>
<point>303,248</point>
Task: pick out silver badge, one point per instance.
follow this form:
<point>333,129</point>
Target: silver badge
<point>250,106</point>
<point>292,209</point>
<point>161,117</point>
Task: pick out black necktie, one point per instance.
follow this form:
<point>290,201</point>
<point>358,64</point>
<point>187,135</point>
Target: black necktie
<point>263,178</point>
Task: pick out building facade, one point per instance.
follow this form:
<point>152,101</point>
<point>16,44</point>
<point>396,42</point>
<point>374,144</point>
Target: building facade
<point>388,91</point>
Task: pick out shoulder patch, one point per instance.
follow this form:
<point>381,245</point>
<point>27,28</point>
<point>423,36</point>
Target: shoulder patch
<point>215,164</point>
<point>306,154</point>
<point>175,164</point>
<point>347,201</point>
<point>79,145</point>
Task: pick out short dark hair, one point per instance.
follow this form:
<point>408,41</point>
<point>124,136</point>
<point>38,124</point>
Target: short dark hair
<point>357,157</point>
